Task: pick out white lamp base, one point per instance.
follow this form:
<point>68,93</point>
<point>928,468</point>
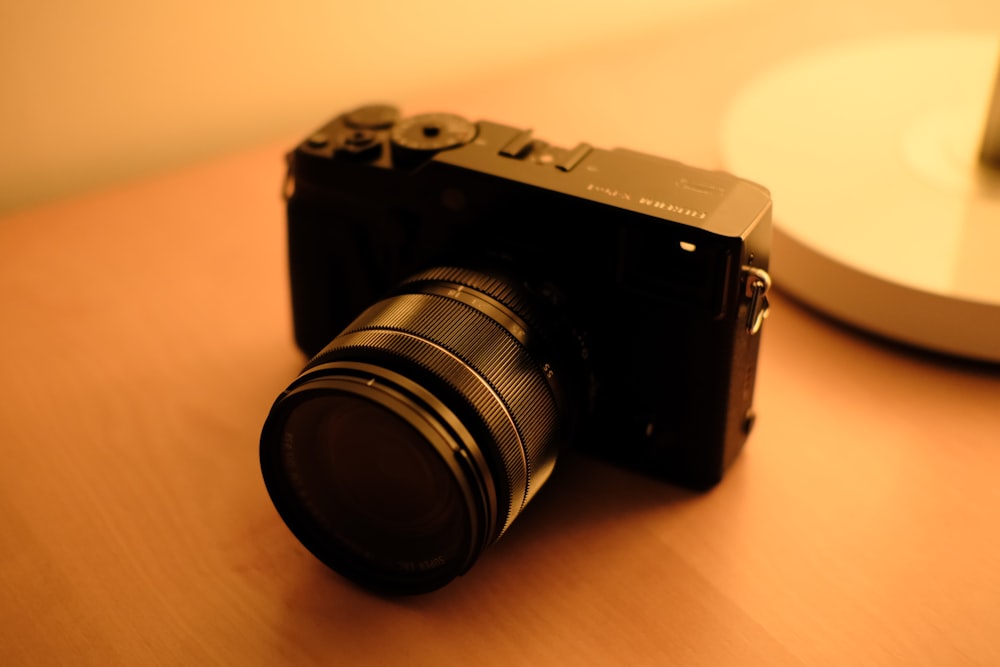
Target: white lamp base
<point>884,217</point>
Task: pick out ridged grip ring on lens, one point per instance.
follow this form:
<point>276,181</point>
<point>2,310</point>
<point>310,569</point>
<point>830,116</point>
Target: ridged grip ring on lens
<point>485,364</point>
<point>497,288</point>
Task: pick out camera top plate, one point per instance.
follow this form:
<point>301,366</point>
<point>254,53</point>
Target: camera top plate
<point>716,202</point>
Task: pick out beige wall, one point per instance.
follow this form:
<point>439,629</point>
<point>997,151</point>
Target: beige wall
<point>101,90</point>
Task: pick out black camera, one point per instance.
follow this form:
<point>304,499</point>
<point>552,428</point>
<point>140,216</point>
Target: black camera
<point>475,299</point>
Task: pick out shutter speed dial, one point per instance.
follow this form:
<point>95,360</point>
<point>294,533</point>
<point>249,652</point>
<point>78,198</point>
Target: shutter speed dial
<point>432,132</point>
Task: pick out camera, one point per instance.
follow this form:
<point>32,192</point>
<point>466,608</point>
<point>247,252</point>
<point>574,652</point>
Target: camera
<point>474,300</point>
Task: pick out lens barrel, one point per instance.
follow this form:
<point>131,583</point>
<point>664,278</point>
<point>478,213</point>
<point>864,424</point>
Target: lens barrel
<point>415,438</point>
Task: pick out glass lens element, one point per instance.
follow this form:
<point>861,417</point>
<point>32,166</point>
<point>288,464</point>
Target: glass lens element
<point>375,483</point>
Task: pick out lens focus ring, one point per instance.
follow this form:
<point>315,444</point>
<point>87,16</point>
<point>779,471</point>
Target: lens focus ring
<point>460,339</point>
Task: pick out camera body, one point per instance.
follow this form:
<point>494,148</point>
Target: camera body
<point>660,267</point>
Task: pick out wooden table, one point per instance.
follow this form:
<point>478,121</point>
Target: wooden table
<point>146,330</point>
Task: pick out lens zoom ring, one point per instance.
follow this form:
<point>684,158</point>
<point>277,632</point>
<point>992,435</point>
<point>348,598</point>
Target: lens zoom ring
<point>489,349</point>
<point>495,356</point>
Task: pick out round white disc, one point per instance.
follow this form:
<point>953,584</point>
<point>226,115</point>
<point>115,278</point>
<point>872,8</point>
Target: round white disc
<point>883,216</point>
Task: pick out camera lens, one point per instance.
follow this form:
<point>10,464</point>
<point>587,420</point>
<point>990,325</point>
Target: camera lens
<point>372,478</point>
<point>416,437</point>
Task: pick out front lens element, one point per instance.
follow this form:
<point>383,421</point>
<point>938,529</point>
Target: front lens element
<point>375,482</point>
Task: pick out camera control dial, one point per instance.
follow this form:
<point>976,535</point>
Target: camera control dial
<point>432,132</point>
<point>372,117</point>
